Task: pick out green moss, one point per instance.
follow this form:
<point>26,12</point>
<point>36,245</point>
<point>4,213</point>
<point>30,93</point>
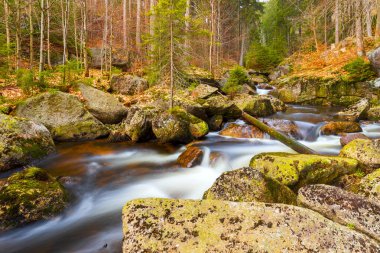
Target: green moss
<point>299,170</point>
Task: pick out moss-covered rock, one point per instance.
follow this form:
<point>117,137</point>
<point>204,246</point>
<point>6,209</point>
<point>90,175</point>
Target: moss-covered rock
<point>347,138</point>
<point>256,106</point>
<point>374,113</point>
<point>286,127</point>
<point>215,123</point>
<point>337,128</point>
<point>343,207</point>
<point>164,225</point>
<point>242,131</point>
<point>64,115</point>
<point>370,186</point>
<point>221,105</point>
<point>249,185</point>
<point>128,85</point>
<point>104,106</point>
<point>367,152</point>
<point>22,141</point>
<point>202,91</point>
<point>178,126</point>
<point>28,196</point>
<point>299,170</point>
<point>355,112</point>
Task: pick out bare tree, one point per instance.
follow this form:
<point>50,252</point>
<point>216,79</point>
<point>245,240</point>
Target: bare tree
<point>138,26</point>
<point>337,21</point>
<point>41,65</point>
<point>359,28</point>
<point>31,31</point>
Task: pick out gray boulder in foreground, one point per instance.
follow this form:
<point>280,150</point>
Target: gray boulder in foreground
<point>343,207</point>
<point>166,225</point>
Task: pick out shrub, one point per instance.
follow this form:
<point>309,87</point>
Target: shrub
<point>238,77</point>
<point>359,70</point>
<point>25,80</point>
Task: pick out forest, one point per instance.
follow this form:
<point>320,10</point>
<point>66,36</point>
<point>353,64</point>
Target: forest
<point>189,126</point>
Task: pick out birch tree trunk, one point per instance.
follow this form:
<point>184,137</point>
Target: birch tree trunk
<point>125,24</point>
<point>48,6</point>
<point>31,31</point>
<point>84,42</point>
<point>368,18</point>
<point>337,20</point>
<point>187,23</point>
<point>171,58</point>
<point>138,26</point>
<point>18,33</point>
<point>7,30</point>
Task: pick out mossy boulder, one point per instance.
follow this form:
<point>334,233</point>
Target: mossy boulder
<point>128,84</point>
<point>22,141</point>
<point>255,106</point>
<point>29,196</point>
<point>64,115</point>
<point>286,127</point>
<point>168,225</point>
<point>355,112</point>
<point>249,185</point>
<point>191,157</point>
<point>104,106</point>
<point>298,170</point>
<point>215,123</point>
<point>347,138</point>
<point>338,128</point>
<point>242,131</point>
<point>374,113</point>
<point>343,207</point>
<point>178,126</point>
<point>277,104</point>
<point>203,91</point>
<point>367,152</point>
<point>370,186</point>
<point>221,105</point>
<point>137,126</point>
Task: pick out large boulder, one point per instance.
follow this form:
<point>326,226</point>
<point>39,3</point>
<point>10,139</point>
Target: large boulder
<point>277,104</point>
<point>178,126</point>
<point>347,138</point>
<point>203,91</point>
<point>355,112</point>
<point>249,185</point>
<point>367,152</point>
<point>299,170</point>
<point>337,128</point>
<point>120,58</point>
<point>242,131</point>
<point>64,115</point>
<point>256,106</point>
<point>374,113</point>
<point>343,207</point>
<point>28,196</point>
<point>22,141</point>
<point>128,85</point>
<point>137,126</point>
<point>370,186</point>
<point>104,106</point>
<point>221,105</point>
<point>192,157</point>
<point>163,225</point>
<point>374,58</point>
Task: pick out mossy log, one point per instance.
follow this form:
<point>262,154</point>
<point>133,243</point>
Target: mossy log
<point>291,143</point>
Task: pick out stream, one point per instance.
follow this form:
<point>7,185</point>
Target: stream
<point>104,176</point>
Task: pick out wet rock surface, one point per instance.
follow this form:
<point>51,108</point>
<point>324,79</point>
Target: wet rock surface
<point>286,127</point>
<point>104,106</point>
<point>370,186</point>
<point>242,131</point>
<point>22,141</point>
<point>337,128</point>
<point>374,113</point>
<point>64,115</point>
<point>191,157</point>
<point>165,225</point>
<point>29,196</point>
<point>299,170</point>
<point>343,207</point>
<point>249,185</point>
<point>355,112</point>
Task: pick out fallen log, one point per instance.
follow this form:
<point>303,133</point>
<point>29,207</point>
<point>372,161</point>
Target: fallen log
<point>291,143</point>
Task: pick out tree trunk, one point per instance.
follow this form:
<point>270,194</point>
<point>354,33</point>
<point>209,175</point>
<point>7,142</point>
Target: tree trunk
<point>48,33</point>
<point>138,26</point>
<point>105,38</point>
<point>41,65</point>
<point>18,33</point>
<point>7,30</point>
<point>187,24</point>
<point>377,33</point>
<point>368,18</point>
<point>359,28</point>
<point>171,58</point>
<point>84,42</point>
<point>31,31</point>
<point>293,144</point>
<point>125,24</point>
<point>337,20</point>
<point>212,36</point>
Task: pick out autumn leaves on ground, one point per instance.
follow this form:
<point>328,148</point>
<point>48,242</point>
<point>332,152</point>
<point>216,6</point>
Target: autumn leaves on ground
<point>178,74</point>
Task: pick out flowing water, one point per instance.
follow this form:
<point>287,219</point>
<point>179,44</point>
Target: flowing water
<point>104,176</point>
